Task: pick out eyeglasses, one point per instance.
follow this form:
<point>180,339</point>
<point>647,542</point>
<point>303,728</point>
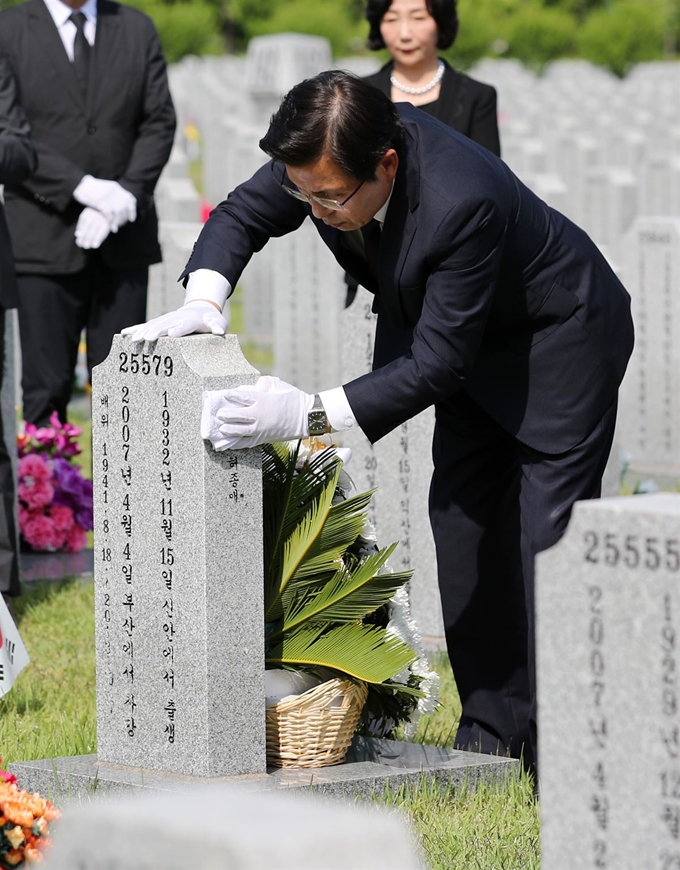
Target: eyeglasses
<point>331,204</point>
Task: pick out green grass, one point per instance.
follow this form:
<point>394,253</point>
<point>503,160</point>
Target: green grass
<point>50,712</point>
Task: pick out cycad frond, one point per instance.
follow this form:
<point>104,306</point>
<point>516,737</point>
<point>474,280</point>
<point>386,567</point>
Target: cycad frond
<point>361,651</point>
<point>350,595</point>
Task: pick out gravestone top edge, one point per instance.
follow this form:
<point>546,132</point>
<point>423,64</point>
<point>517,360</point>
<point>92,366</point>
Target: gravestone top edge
<point>208,356</point>
<point>646,503</point>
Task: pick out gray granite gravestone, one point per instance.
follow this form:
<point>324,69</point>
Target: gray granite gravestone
<point>277,62</point>
<point>400,466</point>
<point>308,291</point>
<point>220,827</point>
<point>608,662</point>
<point>165,292</point>
<point>649,428</point>
<point>178,565</point>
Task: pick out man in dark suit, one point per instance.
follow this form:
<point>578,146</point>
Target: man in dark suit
<point>521,335</point>
<point>17,161</point>
<point>92,79</point>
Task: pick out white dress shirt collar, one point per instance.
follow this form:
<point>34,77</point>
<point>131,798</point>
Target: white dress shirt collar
<point>61,13</point>
<point>381,213</point>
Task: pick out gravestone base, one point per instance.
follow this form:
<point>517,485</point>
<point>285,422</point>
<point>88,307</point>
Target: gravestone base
<point>372,766</point>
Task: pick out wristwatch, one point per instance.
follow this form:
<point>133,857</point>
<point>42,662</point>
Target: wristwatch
<point>317,421</point>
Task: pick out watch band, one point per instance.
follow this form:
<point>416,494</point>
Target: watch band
<point>317,421</point>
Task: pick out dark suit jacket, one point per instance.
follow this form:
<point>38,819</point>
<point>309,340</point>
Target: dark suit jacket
<point>124,131</point>
<point>510,301</point>
<point>464,104</point>
<point>17,161</point>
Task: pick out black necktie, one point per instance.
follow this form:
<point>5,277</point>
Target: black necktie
<point>81,51</point>
<point>371,233</point>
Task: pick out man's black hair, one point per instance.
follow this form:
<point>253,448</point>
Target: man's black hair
<point>443,11</point>
<point>338,114</point>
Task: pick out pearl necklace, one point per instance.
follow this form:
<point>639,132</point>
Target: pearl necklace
<point>428,87</point>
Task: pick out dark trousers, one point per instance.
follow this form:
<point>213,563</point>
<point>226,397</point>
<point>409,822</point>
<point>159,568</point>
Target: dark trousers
<point>9,560</point>
<point>494,504</point>
<point>53,311</point>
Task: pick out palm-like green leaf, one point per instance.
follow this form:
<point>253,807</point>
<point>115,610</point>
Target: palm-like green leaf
<point>364,652</point>
<point>348,596</point>
<point>278,468</point>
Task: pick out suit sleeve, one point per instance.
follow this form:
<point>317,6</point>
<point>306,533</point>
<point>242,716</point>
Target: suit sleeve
<point>242,224</point>
<point>156,130</point>
<point>465,255</point>
<point>17,153</point>
<point>484,122</point>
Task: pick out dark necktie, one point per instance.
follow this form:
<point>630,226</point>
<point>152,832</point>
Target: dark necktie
<point>372,233</point>
<point>81,51</point>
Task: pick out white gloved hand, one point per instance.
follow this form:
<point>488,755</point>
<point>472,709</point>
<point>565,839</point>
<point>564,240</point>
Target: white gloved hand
<point>108,197</point>
<point>92,228</point>
<point>190,318</point>
<point>270,410</point>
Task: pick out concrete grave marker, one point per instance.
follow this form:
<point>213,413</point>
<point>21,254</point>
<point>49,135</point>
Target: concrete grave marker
<point>178,608</point>
<point>222,827</point>
<point>309,291</point>
<point>165,293</point>
<point>608,661</point>
<point>650,396</point>
<point>400,466</point>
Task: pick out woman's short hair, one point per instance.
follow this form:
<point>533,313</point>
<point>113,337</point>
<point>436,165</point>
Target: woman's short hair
<point>443,11</point>
<point>338,114</point>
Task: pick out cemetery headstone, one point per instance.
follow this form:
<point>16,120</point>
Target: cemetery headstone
<point>219,827</point>
<point>178,607</point>
<point>277,62</point>
<point>400,466</point>
<point>608,676</point>
<point>649,427</point>
<point>309,291</point>
<point>165,292</point>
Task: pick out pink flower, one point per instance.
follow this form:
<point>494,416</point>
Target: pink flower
<point>35,493</point>
<point>39,532</point>
<point>62,516</point>
<point>35,467</point>
<point>75,539</point>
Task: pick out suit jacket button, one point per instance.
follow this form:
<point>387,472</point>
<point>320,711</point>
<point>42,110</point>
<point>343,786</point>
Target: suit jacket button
<point>91,130</point>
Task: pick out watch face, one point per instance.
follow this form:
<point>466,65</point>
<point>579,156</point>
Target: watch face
<point>317,422</point>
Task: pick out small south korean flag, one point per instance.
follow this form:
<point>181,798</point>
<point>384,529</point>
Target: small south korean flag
<point>13,655</point>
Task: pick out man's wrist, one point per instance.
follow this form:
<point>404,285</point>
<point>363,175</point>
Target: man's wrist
<point>317,420</point>
<point>194,303</point>
<point>206,285</point>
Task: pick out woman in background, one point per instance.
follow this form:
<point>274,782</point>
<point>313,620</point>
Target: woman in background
<point>412,31</point>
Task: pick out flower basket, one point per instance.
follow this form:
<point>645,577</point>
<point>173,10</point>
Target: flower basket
<point>316,728</point>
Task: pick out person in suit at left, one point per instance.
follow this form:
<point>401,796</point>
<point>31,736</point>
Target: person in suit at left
<point>521,333</point>
<point>17,161</point>
<point>92,79</point>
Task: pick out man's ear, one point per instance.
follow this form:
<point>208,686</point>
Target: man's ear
<point>390,163</point>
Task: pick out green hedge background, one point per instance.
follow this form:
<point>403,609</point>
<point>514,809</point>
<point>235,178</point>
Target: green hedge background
<point>613,33</point>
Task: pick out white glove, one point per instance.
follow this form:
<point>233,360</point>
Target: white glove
<point>190,318</point>
<point>92,228</point>
<point>108,197</point>
<point>270,410</point>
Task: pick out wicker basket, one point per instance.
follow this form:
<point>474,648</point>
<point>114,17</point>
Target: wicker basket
<point>316,728</point>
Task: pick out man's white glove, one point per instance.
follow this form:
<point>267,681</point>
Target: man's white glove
<point>270,410</point>
<point>190,318</point>
<point>118,205</point>
<point>92,228</point>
